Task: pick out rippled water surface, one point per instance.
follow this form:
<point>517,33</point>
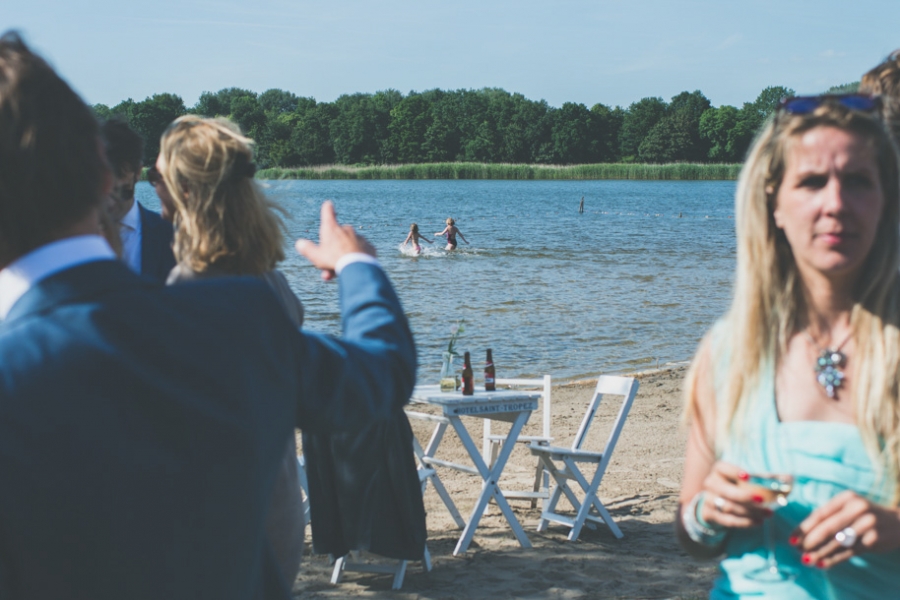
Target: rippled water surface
<point>631,283</point>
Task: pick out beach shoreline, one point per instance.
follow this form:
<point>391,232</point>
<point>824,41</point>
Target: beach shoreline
<point>640,489</point>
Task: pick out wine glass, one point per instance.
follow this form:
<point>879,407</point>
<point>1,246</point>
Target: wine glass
<point>774,490</point>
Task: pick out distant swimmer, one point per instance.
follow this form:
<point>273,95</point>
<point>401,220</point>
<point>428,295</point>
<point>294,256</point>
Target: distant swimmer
<point>414,237</point>
<point>451,231</point>
<point>581,206</point>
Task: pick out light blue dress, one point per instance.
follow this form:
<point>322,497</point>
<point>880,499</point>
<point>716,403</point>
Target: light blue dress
<point>825,459</point>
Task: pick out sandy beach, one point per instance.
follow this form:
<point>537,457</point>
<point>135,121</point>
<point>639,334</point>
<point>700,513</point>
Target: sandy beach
<point>640,490</point>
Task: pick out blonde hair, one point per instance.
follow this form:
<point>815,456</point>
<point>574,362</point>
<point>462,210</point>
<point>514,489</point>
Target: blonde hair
<point>884,79</point>
<point>768,304</point>
<point>414,228</point>
<point>222,217</point>
<point>450,221</point>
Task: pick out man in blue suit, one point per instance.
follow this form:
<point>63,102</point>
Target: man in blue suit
<point>138,455</point>
<point>146,237</point>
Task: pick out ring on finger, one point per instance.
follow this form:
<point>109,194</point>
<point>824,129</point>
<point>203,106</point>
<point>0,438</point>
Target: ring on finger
<point>719,503</point>
<point>846,537</point>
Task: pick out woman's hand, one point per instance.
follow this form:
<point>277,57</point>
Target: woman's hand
<point>726,504</point>
<point>845,526</point>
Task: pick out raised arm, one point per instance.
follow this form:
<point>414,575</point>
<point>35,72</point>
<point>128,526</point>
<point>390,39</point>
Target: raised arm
<point>459,233</point>
<point>369,372</point>
<point>447,228</point>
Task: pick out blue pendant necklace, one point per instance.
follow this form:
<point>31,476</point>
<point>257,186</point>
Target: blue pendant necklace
<point>828,365</point>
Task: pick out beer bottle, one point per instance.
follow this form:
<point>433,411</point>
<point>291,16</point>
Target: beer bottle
<point>468,379</point>
<point>489,378</point>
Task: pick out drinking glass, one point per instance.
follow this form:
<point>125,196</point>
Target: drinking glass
<point>774,490</point>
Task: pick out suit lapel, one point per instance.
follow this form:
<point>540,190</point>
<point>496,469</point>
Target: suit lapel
<point>148,236</point>
<point>156,245</point>
<point>77,284</point>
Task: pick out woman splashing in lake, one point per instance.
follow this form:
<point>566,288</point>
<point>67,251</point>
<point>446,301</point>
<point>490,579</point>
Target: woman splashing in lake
<point>451,231</point>
<point>797,385</point>
<point>414,236</point>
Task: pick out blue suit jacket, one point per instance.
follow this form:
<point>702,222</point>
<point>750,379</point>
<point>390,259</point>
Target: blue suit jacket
<point>137,456</point>
<point>157,258</point>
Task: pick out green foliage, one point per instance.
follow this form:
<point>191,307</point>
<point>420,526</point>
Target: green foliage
<point>464,170</point>
<point>639,119</point>
<point>846,88</point>
<point>718,127</point>
<point>676,136</point>
<point>102,112</point>
<point>469,127</point>
<point>278,102</point>
<point>219,104</point>
<point>149,118</point>
<point>608,123</point>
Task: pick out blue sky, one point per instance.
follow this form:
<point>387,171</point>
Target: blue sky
<point>614,52</point>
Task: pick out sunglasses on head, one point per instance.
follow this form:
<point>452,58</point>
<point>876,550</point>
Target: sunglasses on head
<point>804,105</point>
<point>154,176</point>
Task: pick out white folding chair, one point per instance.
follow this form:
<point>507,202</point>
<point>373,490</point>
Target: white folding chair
<point>492,442</point>
<point>570,457</point>
<point>354,560</point>
<point>304,487</point>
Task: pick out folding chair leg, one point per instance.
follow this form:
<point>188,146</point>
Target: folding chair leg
<point>495,450</point>
<point>426,559</point>
<point>338,571</point>
<point>538,471</point>
<point>550,506</point>
<point>399,575</point>
<point>304,486</point>
<point>448,501</point>
<point>591,500</point>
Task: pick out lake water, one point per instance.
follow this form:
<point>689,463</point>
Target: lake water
<point>632,283</point>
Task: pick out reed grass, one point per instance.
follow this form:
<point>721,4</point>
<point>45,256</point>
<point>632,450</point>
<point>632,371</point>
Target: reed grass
<point>462,170</point>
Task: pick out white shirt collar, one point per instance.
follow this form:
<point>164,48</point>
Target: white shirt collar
<point>132,218</point>
<point>23,273</point>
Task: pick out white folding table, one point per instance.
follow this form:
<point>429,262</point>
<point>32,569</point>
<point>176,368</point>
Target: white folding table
<point>513,406</point>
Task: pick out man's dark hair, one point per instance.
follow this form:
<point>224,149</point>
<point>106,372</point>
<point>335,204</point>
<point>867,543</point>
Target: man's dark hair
<point>51,166</point>
<point>124,146</point>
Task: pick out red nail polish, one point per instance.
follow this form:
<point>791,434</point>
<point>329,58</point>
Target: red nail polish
<point>793,540</point>
<point>743,475</point>
<point>806,559</point>
<point>758,499</point>
<point>821,564</point>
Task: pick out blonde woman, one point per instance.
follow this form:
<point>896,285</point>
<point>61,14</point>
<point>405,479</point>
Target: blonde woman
<point>414,236</point>
<point>451,231</point>
<point>884,79</point>
<point>224,226</point>
<point>801,377</point>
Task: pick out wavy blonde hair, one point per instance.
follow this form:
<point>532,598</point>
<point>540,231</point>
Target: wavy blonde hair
<point>884,79</point>
<point>222,218</point>
<point>768,304</point>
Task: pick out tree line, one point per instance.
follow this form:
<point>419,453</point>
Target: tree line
<point>486,126</point>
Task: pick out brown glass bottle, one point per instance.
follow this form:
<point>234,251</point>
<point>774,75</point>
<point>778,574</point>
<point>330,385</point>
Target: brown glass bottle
<point>489,377</point>
<point>468,378</point>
